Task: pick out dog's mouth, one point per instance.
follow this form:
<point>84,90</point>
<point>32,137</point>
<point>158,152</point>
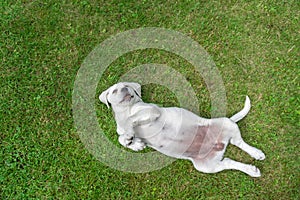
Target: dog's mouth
<point>127,97</point>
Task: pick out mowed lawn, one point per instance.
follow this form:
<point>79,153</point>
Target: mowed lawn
<point>255,45</point>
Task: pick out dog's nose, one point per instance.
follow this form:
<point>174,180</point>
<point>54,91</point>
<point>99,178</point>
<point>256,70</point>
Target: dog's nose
<point>124,89</point>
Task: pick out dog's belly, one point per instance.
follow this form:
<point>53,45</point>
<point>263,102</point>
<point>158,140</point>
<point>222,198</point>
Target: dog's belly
<point>197,143</point>
<point>207,139</point>
<point>182,134</point>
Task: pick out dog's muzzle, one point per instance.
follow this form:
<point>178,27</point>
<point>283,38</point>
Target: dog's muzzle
<point>127,97</point>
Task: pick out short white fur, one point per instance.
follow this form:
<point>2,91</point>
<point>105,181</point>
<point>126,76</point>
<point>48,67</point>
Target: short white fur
<point>177,132</point>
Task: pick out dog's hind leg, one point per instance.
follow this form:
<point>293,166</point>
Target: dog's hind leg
<point>238,141</point>
<point>226,163</point>
<point>232,133</point>
<point>252,151</point>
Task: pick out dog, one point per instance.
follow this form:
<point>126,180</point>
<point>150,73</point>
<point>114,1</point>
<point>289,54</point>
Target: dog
<point>177,132</point>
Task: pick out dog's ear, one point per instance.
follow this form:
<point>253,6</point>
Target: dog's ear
<point>136,87</point>
<point>103,98</point>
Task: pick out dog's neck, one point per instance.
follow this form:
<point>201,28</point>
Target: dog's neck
<point>122,112</point>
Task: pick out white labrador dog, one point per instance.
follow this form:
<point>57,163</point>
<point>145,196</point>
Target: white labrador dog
<point>177,132</point>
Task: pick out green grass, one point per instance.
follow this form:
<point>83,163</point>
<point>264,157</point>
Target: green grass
<point>255,45</point>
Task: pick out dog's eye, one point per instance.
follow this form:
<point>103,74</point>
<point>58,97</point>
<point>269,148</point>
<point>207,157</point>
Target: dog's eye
<point>115,91</point>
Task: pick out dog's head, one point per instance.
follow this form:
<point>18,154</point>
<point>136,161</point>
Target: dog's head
<point>121,94</point>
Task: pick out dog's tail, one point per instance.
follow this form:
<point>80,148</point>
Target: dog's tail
<point>240,115</point>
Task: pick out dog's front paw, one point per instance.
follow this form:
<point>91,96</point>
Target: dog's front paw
<point>137,145</point>
<point>125,141</point>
